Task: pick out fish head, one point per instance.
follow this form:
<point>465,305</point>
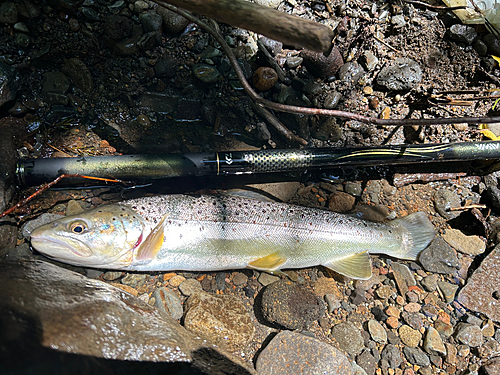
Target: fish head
<point>104,237</point>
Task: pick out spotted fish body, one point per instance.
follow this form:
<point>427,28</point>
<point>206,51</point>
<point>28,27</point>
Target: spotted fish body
<point>208,233</point>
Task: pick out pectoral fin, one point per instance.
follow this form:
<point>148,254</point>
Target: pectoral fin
<point>153,242</point>
<point>269,263</point>
<point>357,266</point>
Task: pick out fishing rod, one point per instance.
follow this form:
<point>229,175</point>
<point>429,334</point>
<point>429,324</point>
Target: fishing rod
<point>144,167</point>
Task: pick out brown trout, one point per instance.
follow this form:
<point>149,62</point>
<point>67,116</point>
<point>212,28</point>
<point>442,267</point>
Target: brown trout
<point>211,233</point>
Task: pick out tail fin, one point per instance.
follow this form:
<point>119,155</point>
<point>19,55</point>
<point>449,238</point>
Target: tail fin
<point>421,233</point>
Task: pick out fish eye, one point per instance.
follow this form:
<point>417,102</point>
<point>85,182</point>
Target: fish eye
<point>78,227</point>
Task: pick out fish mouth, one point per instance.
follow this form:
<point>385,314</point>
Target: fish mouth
<point>56,247</point>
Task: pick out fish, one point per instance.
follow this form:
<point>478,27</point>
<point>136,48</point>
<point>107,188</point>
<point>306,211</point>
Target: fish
<point>223,232</point>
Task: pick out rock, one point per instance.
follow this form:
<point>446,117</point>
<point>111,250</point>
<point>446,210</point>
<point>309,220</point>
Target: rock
<point>240,279</point>
<point>117,27</point>
<point>492,43</point>
<point>134,279</point>
<point>439,257</point>
<point>189,286</point>
<point>463,33</point>
<point>332,100</point>
<point>8,13</point>
<point>168,303</point>
<point>206,73</point>
<point>321,66</point>
<point>416,356</point>
<point>480,47</point>
<point>403,277</point>
<point>326,285</point>
<point>402,74</point>
<point>354,188</point>
<point>112,275</point>
<point>433,344</point>
<point>332,302</point>
<point>409,336</point>
<point>481,293</point>
<point>266,279</point>
<point>9,82</point>
<point>471,245</point>
<point>413,320</point>
<point>54,87</point>
<point>151,22</point>
<point>492,367</point>
<point>166,67</point>
<point>445,199</point>
<point>430,282</point>
<point>31,225</point>
<point>291,305</point>
<point>468,334</point>
<point>223,319</point>
<point>371,60</point>
<point>80,75</point>
<point>448,290</point>
<point>273,46</point>
<point>176,280</point>
<point>377,332</point>
<point>341,202</point>
<point>172,22</point>
<point>392,356</point>
<point>45,306</point>
<point>291,353</point>
<point>348,337</point>
<point>264,78</point>
<point>351,72</point>
<point>367,362</point>
<point>398,21</point>
<point>385,291</point>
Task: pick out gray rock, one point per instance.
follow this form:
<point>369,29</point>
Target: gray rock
<point>492,367</point>
<point>392,356</point>
<point>348,337</point>
<point>481,293</point>
<point>445,199</point>
<point>222,318</point>
<point>293,61</point>
<point>493,44</point>
<point>439,257</point>
<point>189,286</point>
<point>168,303</point>
<point>112,275</point>
<point>416,356</point>
<point>267,279</point>
<point>358,370</point>
<point>480,47</point>
<point>31,225</point>
<point>151,21</point>
<point>463,33</point>
<point>321,66</point>
<point>134,279</point>
<point>54,87</point>
<point>403,276</point>
<point>398,21</point>
<point>9,83</point>
<point>430,282</point>
<point>80,75</point>
<point>172,22</point>
<point>8,13</point>
<point>46,306</point>
<point>332,100</point>
<point>351,72</point>
<point>290,305</point>
<point>402,74</point>
<point>354,188</point>
<point>377,331</point>
<point>433,343</point>
<point>367,362</point>
<point>206,73</point>
<point>371,60</point>
<point>273,46</point>
<point>291,353</point>
<point>472,245</point>
<point>448,290</point>
<point>240,279</point>
<point>332,302</point>
<point>468,334</point>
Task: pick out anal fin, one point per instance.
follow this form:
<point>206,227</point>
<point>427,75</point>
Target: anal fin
<point>269,263</point>
<point>153,242</point>
<point>356,266</point>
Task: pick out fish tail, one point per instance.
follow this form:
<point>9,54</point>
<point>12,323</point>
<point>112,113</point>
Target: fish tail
<point>421,233</point>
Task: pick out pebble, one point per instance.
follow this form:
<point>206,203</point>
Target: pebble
<point>430,282</point>
<point>273,46</point>
<point>354,188</point>
<point>166,67</point>
<point>402,74</point>
<point>398,21</point>
<point>377,332</point>
<point>409,336</point>
<point>433,343</point>
<point>112,275</point>
<point>266,278</point>
<point>341,202</point>
<point>367,362</point>
<point>416,356</point>
<point>412,307</point>
<point>393,311</point>
<point>291,353</point>
<point>392,356</point>
<point>403,276</point>
<point>472,245</point>
<point>240,279</point>
<point>264,78</point>
<point>176,280</point>
<point>348,337</point>
<point>332,100</point>
<point>189,286</point>
<point>223,319</point>
<point>291,305</point>
<point>371,60</point>
<point>351,72</point>
<point>134,279</point>
<point>445,199</point>
<point>332,302</point>
<point>206,73</point>
<point>326,285</point>
<point>463,33</point>
<point>320,65</point>
<point>293,61</point>
<point>168,303</point>
<point>8,13</point>
<point>448,290</point>
<point>468,334</point>
<point>438,257</point>
<point>385,291</point>
<point>172,22</point>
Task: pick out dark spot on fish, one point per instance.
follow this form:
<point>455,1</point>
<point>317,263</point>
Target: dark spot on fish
<point>113,219</point>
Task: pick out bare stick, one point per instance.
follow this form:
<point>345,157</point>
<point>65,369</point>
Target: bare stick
<point>263,20</point>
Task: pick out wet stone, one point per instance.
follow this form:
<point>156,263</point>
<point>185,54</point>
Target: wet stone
<point>448,290</point>
<point>377,332</point>
<point>413,320</point>
<point>134,279</point>
<point>166,67</point>
<point>266,279</point>
<point>290,305</point>
<point>168,303</point>
<point>403,74</point>
<point>189,286</point>
<point>354,188</point>
<point>463,33</point>
<point>8,13</point>
<point>264,78</point>
<point>445,199</point>
<point>409,336</point>
<point>176,280</point>
<point>291,353</point>
<point>151,21</point>
<point>392,356</point>
<point>351,72</point>
<point>321,66</point>
<point>433,343</point>
<point>80,75</point>
<point>471,245</point>
<point>416,356</point>
<point>385,291</point>
<point>172,22</point>
<point>438,257</point>
<point>112,275</point>
<point>371,60</point>
<point>348,337</point>
<point>223,319</point>
<point>332,100</point>
<point>240,279</point>
<point>117,27</point>
<point>430,282</point>
<point>341,202</point>
<point>468,334</point>
<point>367,362</point>
<point>206,73</point>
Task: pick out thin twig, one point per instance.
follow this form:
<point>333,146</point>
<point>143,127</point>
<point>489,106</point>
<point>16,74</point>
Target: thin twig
<point>319,111</point>
<point>467,207</point>
<point>436,6</point>
<point>386,44</point>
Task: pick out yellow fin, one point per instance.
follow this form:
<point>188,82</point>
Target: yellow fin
<point>269,263</point>
<point>153,242</point>
<point>357,266</point>
<point>489,134</point>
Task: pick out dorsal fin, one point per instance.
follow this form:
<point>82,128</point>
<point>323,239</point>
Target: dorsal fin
<point>357,266</point>
<point>153,242</point>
